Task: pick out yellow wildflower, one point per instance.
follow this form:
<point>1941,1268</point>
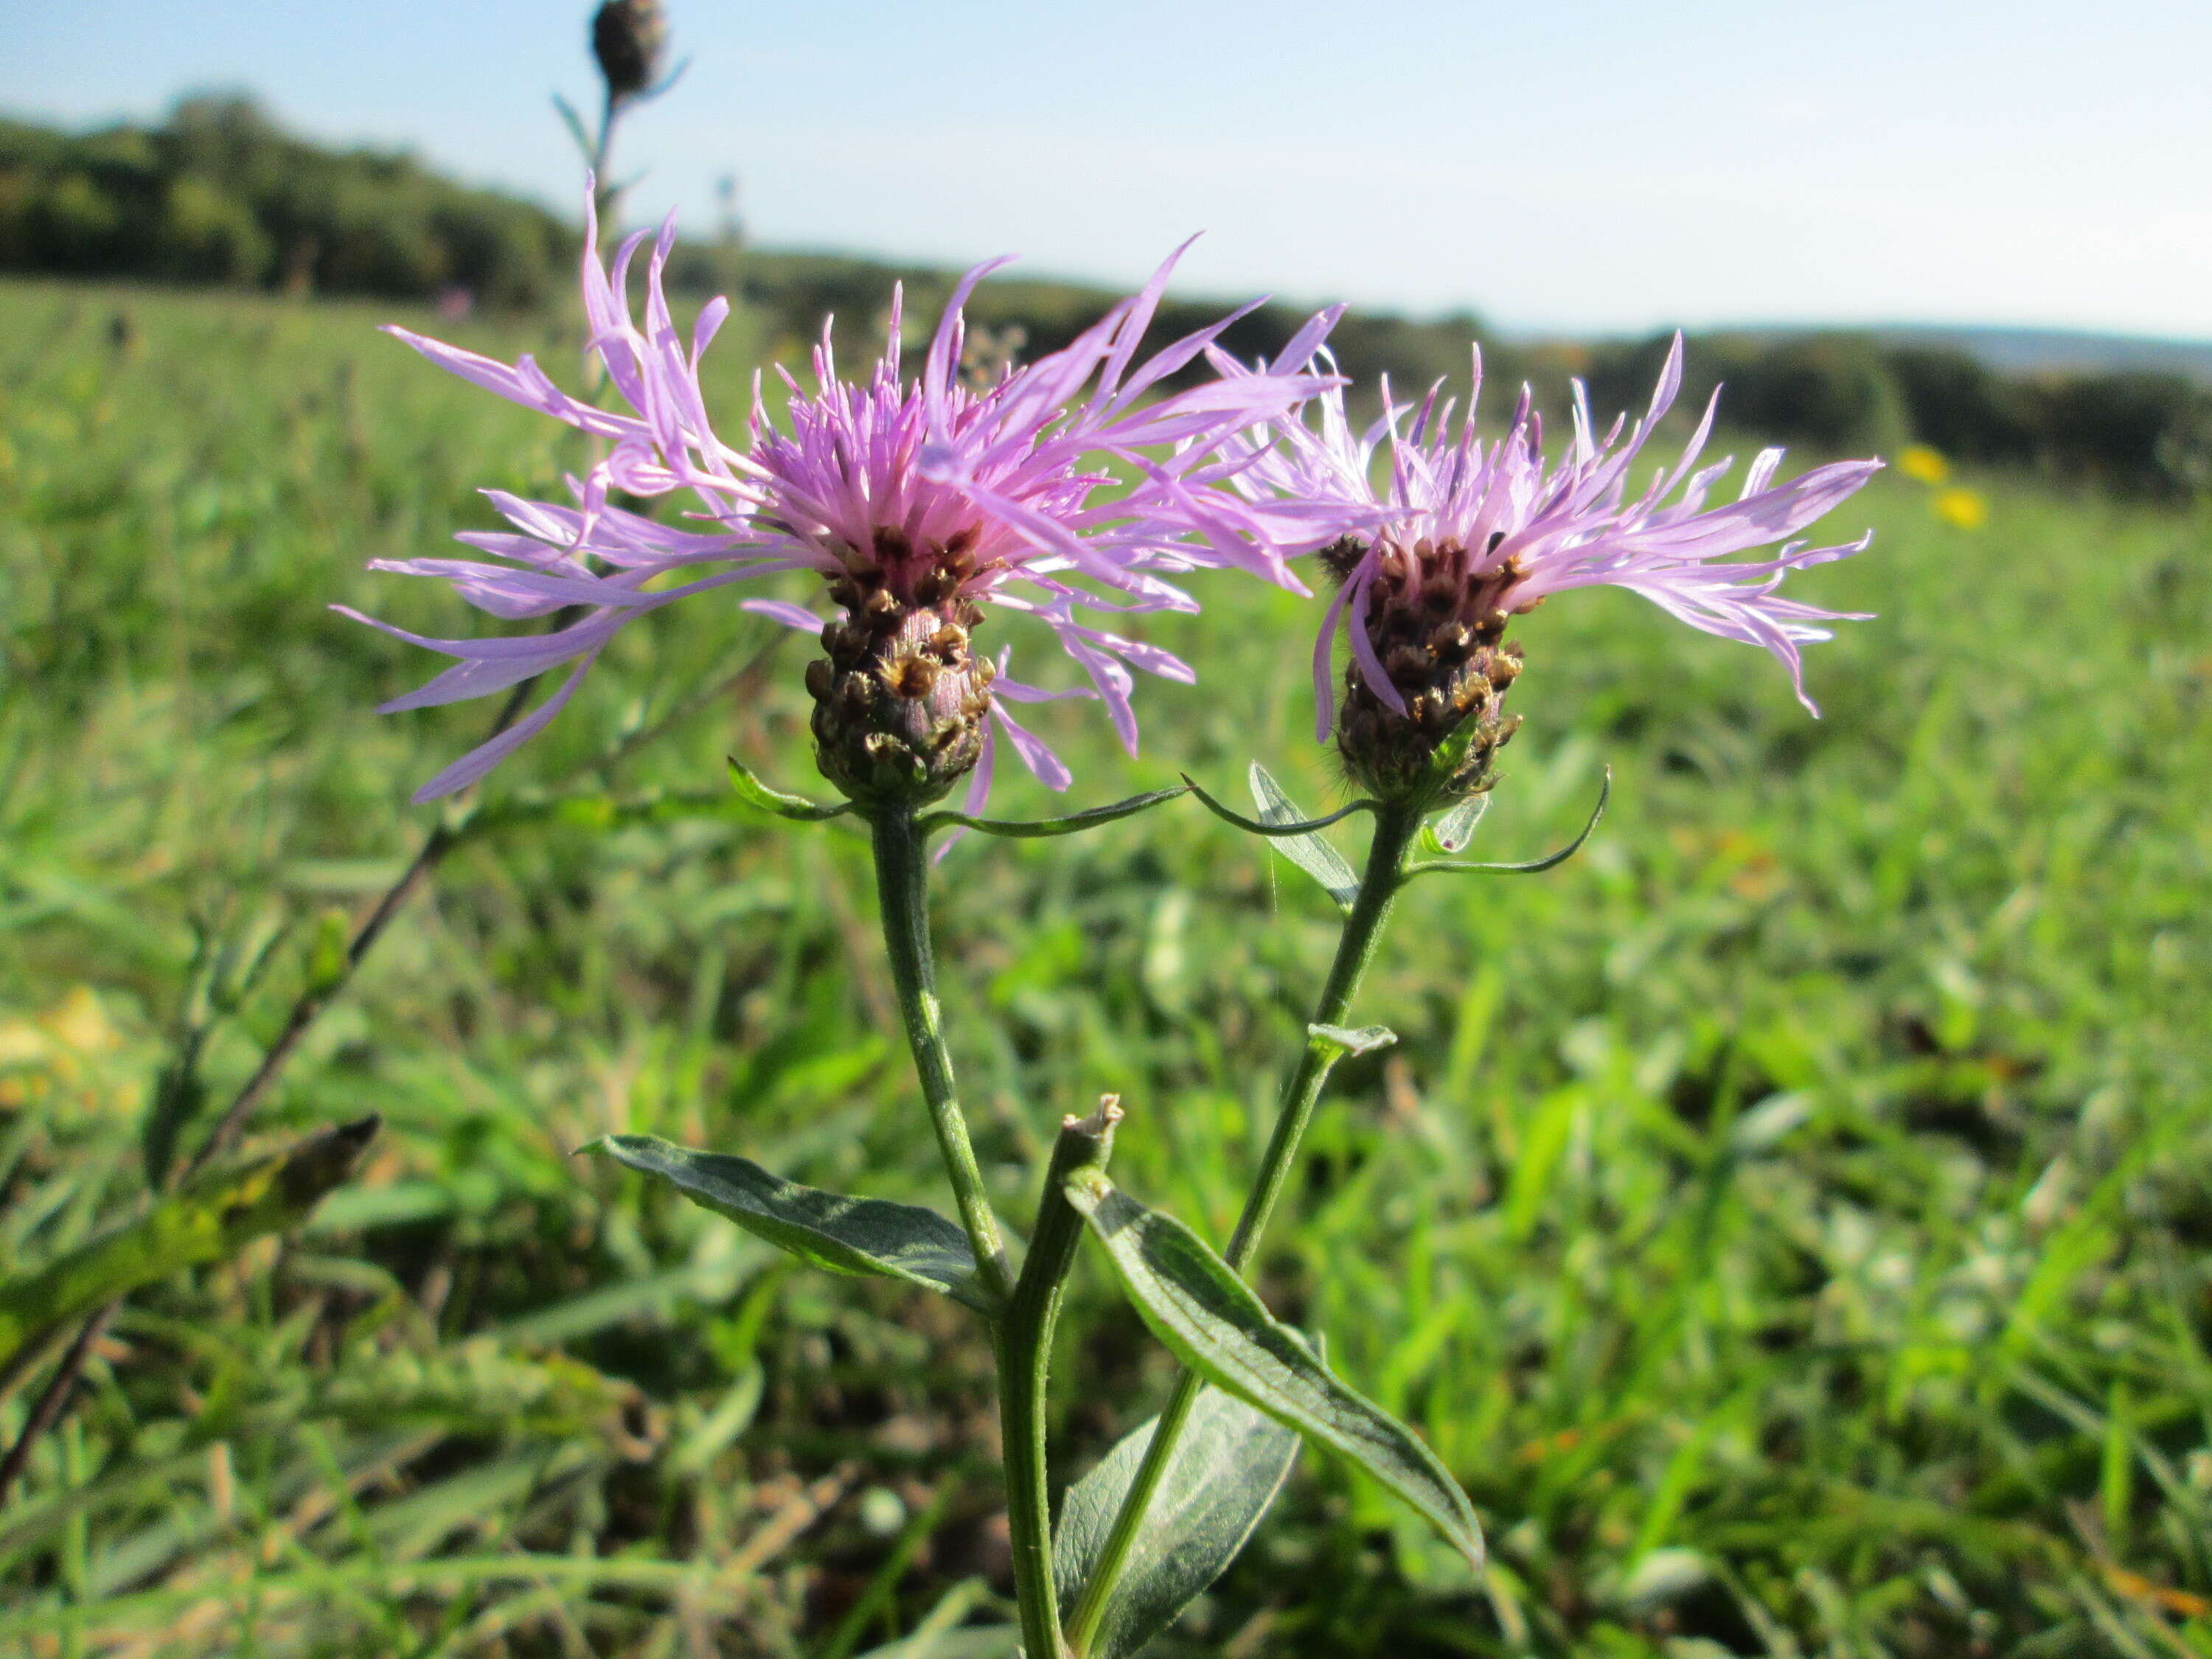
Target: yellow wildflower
<point>1924,463</point>
<point>1965,509</point>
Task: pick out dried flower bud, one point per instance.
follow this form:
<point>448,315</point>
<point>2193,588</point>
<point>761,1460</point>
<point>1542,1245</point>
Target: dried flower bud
<point>630,39</point>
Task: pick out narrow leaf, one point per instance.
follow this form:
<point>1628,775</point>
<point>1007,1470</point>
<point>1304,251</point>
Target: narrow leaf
<point>575,123</point>
<point>1275,831</point>
<point>1452,832</point>
<point>1604,793</point>
<point>1335,1041</point>
<point>1228,1467</point>
<point>860,1236</point>
<point>1034,828</point>
<point>797,807</point>
<point>1308,851</point>
<point>210,1219</point>
<point>1197,1305</point>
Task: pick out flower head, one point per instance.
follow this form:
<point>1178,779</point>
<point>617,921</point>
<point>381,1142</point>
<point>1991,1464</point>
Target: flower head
<point>920,501</point>
<point>630,37</point>
<point>1463,535</point>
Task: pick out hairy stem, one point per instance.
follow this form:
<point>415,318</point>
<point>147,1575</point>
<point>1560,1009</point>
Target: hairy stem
<point>1025,1357</point>
<point>1020,1335</point>
<point>902,885</point>
<point>1395,828</point>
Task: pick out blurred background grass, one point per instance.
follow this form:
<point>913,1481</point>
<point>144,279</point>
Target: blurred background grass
<point>1789,1219</point>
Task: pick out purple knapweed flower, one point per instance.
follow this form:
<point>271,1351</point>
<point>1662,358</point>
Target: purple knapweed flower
<point>1469,533</point>
<point>919,500</point>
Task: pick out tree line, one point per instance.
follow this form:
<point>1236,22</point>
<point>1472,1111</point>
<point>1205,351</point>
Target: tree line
<point>217,193</point>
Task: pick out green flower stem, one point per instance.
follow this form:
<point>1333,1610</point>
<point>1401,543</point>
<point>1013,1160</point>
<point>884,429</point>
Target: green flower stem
<point>1024,1356</point>
<point>1396,827</point>
<point>1021,1334</point>
<point>902,885</point>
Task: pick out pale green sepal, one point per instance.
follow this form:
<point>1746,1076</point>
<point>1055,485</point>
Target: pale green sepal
<point>1533,866</point>
<point>1452,832</point>
<point>1033,829</point>
<point>861,1236</point>
<point>795,807</point>
<point>1229,1465</point>
<point>1335,1041</point>
<point>1209,1317</point>
<point>1308,851</point>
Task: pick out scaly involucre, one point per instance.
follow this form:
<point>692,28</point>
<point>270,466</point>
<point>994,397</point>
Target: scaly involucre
<point>1496,523</point>
<point>958,496</point>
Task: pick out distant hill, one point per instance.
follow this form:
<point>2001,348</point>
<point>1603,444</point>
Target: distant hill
<point>2030,351</point>
<point>2046,351</point>
<point>217,193</point>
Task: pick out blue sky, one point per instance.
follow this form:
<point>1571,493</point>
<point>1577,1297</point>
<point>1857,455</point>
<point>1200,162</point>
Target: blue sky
<point>1600,167</point>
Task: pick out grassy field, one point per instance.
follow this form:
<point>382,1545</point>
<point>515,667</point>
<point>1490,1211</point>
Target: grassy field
<point>1789,1219</point>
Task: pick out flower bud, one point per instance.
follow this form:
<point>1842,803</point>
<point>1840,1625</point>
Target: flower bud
<point>900,699</point>
<point>630,39</point>
<point>1439,632</point>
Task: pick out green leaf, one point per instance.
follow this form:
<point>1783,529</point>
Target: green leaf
<point>796,807</point>
<point>861,1236</point>
<point>1275,831</point>
<point>1033,829</point>
<point>1452,832</point>
<point>1335,1041</point>
<point>210,1219</point>
<point>1228,1466</point>
<point>1308,851</point>
<point>1604,793</point>
<point>575,123</point>
<point>1196,1305</point>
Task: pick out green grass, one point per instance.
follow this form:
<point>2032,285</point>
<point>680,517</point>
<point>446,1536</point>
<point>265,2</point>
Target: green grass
<point>1789,1219</point>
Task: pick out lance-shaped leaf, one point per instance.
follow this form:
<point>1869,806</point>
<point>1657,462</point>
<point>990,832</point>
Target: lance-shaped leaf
<point>1452,832</point>
<point>1034,828</point>
<point>1308,851</point>
<point>796,807</point>
<point>210,1219</point>
<point>862,1236</point>
<point>1196,1305</point>
<point>1604,793</point>
<point>1228,1466</point>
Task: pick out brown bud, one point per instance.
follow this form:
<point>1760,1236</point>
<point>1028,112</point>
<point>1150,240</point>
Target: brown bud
<point>630,39</point>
